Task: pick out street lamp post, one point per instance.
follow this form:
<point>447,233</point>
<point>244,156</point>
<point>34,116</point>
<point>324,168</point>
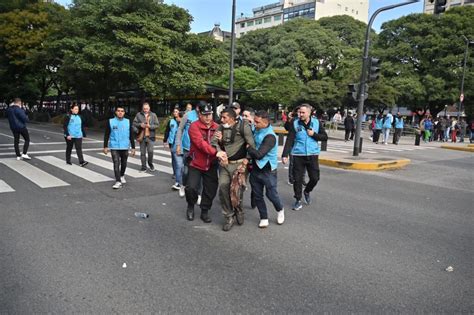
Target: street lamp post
<point>232,52</point>
<point>363,76</point>
<point>461,97</point>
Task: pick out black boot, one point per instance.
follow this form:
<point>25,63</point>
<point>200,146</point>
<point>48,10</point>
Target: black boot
<point>205,216</point>
<point>190,213</point>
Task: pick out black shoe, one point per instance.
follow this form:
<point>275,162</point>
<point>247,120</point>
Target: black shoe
<point>228,224</point>
<point>239,216</point>
<point>68,163</point>
<point>190,214</point>
<point>84,163</point>
<point>152,168</point>
<point>205,216</point>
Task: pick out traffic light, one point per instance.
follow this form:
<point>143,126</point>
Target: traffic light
<point>439,6</point>
<point>353,91</point>
<point>374,69</point>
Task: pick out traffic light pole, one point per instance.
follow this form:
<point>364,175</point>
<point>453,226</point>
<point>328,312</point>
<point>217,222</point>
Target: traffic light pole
<point>468,42</point>
<point>363,76</point>
<point>232,53</point>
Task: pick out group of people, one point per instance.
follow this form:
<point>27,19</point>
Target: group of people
<point>382,124</point>
<point>443,129</point>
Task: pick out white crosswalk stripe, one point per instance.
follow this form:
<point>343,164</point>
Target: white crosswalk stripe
<point>158,167</point>
<point>78,171</point>
<point>110,166</point>
<point>33,173</point>
<point>4,187</point>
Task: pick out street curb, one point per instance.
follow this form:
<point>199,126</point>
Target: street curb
<point>470,145</point>
<point>364,166</point>
<point>465,149</point>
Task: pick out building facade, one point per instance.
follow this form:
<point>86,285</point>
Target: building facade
<point>429,7</point>
<point>217,33</point>
<point>285,10</point>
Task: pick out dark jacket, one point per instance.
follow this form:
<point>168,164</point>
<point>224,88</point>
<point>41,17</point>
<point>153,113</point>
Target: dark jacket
<point>201,152</point>
<point>17,118</point>
<point>349,123</point>
<point>140,118</point>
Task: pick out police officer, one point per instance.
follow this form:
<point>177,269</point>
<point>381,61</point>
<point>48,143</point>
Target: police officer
<point>119,138</point>
<point>302,142</point>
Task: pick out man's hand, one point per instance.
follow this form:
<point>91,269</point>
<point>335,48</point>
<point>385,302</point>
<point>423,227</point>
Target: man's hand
<point>132,153</point>
<point>221,155</point>
<point>284,160</point>
<point>178,150</point>
<point>69,137</point>
<point>218,135</point>
<point>106,150</point>
<point>310,132</point>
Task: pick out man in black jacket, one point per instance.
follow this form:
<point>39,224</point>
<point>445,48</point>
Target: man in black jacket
<point>349,126</point>
<point>18,119</point>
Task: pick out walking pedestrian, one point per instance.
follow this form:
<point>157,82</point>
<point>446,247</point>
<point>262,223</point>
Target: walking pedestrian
<point>349,126</point>
<point>144,126</point>
<point>232,138</point>
<point>18,119</point>
<point>387,125</point>
<point>302,142</point>
<point>399,124</point>
<point>203,165</point>
<point>462,129</point>
<point>378,127</point>
<point>119,139</point>
<point>169,141</point>
<point>74,131</point>
<point>336,120</point>
<point>454,129</point>
<point>264,171</point>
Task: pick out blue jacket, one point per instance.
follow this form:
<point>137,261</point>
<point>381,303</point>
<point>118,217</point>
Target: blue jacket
<point>305,145</point>
<point>172,134</point>
<point>388,121</point>
<point>378,123</point>
<point>398,123</point>
<point>272,155</point>
<point>119,134</point>
<point>17,118</point>
<point>185,140</point>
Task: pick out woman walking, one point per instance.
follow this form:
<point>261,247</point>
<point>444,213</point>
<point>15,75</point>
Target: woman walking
<point>73,133</point>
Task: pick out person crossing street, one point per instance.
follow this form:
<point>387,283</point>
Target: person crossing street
<point>18,119</point>
<point>144,126</point>
<point>74,131</point>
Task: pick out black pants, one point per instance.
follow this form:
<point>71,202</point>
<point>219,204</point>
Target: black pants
<point>119,157</point>
<point>16,142</point>
<point>210,184</point>
<point>377,135</point>
<point>77,142</point>
<point>397,135</point>
<point>349,132</point>
<point>301,164</point>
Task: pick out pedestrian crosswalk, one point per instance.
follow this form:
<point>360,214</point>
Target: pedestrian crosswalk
<point>49,171</point>
<point>371,148</point>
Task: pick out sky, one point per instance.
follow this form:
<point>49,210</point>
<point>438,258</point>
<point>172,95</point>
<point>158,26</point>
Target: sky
<point>208,12</point>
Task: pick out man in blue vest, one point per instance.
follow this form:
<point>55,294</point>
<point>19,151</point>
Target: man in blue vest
<point>119,138</point>
<point>398,128</point>
<point>264,171</point>
<point>302,142</point>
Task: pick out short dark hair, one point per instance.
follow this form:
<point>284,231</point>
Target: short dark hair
<point>309,107</point>
<point>250,110</point>
<point>230,112</point>
<point>74,105</point>
<point>119,106</point>
<point>262,114</point>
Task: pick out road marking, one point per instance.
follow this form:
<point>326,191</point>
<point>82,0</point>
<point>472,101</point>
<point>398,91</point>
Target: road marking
<point>8,136</point>
<point>163,152</point>
<point>110,166</point>
<point>51,151</point>
<point>164,169</point>
<point>334,150</point>
<point>4,187</point>
<point>34,174</point>
<point>76,170</point>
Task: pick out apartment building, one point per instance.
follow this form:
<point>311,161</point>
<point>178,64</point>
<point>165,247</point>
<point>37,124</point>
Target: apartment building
<point>429,7</point>
<point>285,10</point>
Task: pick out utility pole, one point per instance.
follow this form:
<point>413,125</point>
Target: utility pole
<point>461,96</point>
<point>232,52</point>
<point>363,76</point>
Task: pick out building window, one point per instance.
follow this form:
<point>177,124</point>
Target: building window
<point>357,12</point>
<point>259,21</point>
<point>277,18</point>
<point>242,25</point>
<point>267,20</point>
<point>347,9</point>
<point>250,23</point>
<point>339,6</point>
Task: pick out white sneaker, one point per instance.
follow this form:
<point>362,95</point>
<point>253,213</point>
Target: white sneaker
<point>25,157</point>
<point>181,191</point>
<point>199,200</point>
<point>117,185</point>
<point>122,180</point>
<point>175,186</point>
<point>263,223</point>
<point>18,158</point>
<point>281,216</point>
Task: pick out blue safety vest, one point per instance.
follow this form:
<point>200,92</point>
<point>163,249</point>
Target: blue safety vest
<point>119,134</point>
<point>378,123</point>
<point>74,128</point>
<point>305,145</point>
<point>173,132</point>
<point>272,155</point>
<point>398,123</point>
<point>185,140</point>
<point>388,121</point>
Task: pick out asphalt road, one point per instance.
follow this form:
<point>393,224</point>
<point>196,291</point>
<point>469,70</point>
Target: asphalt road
<point>370,242</point>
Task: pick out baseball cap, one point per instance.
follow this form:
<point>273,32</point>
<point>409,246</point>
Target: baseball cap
<point>205,109</point>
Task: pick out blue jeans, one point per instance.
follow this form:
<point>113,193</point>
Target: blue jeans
<point>268,180</point>
<point>177,162</point>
